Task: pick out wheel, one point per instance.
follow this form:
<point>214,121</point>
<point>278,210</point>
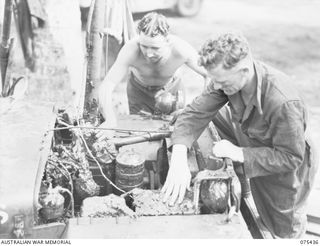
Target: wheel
<point>188,7</point>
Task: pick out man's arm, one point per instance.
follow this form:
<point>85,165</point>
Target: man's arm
<point>189,126</point>
<point>197,115</point>
<point>288,144</point>
<point>192,62</point>
<point>191,56</point>
<point>116,74</point>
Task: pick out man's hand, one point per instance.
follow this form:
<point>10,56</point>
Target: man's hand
<point>179,176</point>
<point>175,115</point>
<point>224,148</point>
<point>105,134</point>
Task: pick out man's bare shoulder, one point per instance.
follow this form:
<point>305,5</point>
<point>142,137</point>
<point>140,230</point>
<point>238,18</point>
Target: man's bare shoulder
<point>130,51</point>
<point>181,46</point>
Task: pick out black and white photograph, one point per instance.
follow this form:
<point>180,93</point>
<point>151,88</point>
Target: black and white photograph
<point>159,119</point>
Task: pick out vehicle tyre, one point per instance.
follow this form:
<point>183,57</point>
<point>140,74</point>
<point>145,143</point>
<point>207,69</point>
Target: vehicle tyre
<point>188,7</point>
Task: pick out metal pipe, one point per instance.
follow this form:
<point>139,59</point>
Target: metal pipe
<point>119,142</point>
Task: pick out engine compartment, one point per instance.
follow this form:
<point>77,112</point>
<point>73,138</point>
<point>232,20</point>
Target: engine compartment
<point>85,177</point>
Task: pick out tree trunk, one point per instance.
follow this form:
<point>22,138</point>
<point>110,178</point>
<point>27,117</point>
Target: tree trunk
<point>5,42</point>
<point>94,49</point>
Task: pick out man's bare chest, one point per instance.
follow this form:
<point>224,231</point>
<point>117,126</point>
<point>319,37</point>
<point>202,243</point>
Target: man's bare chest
<point>158,70</point>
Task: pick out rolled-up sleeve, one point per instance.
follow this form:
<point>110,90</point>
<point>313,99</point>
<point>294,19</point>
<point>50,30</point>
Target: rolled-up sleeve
<point>287,125</point>
<point>196,116</point>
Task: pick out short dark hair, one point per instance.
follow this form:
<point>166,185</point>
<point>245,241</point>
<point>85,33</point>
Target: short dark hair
<point>228,49</point>
<point>153,24</point>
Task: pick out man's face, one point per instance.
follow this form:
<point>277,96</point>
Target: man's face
<point>153,48</point>
<point>229,81</point>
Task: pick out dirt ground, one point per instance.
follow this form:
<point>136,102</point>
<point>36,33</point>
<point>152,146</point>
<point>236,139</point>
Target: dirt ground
<point>284,34</point>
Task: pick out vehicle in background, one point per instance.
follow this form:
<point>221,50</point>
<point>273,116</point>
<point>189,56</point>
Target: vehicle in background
<point>181,7</point>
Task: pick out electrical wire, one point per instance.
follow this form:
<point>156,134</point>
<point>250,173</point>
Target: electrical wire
<point>95,160</point>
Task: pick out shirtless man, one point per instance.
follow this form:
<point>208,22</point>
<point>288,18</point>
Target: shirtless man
<point>152,60</point>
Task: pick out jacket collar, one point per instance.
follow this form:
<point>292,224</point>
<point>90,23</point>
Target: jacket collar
<point>243,111</point>
<point>256,100</point>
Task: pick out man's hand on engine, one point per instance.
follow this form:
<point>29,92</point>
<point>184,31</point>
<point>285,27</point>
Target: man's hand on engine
<point>225,148</point>
<point>179,176</point>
